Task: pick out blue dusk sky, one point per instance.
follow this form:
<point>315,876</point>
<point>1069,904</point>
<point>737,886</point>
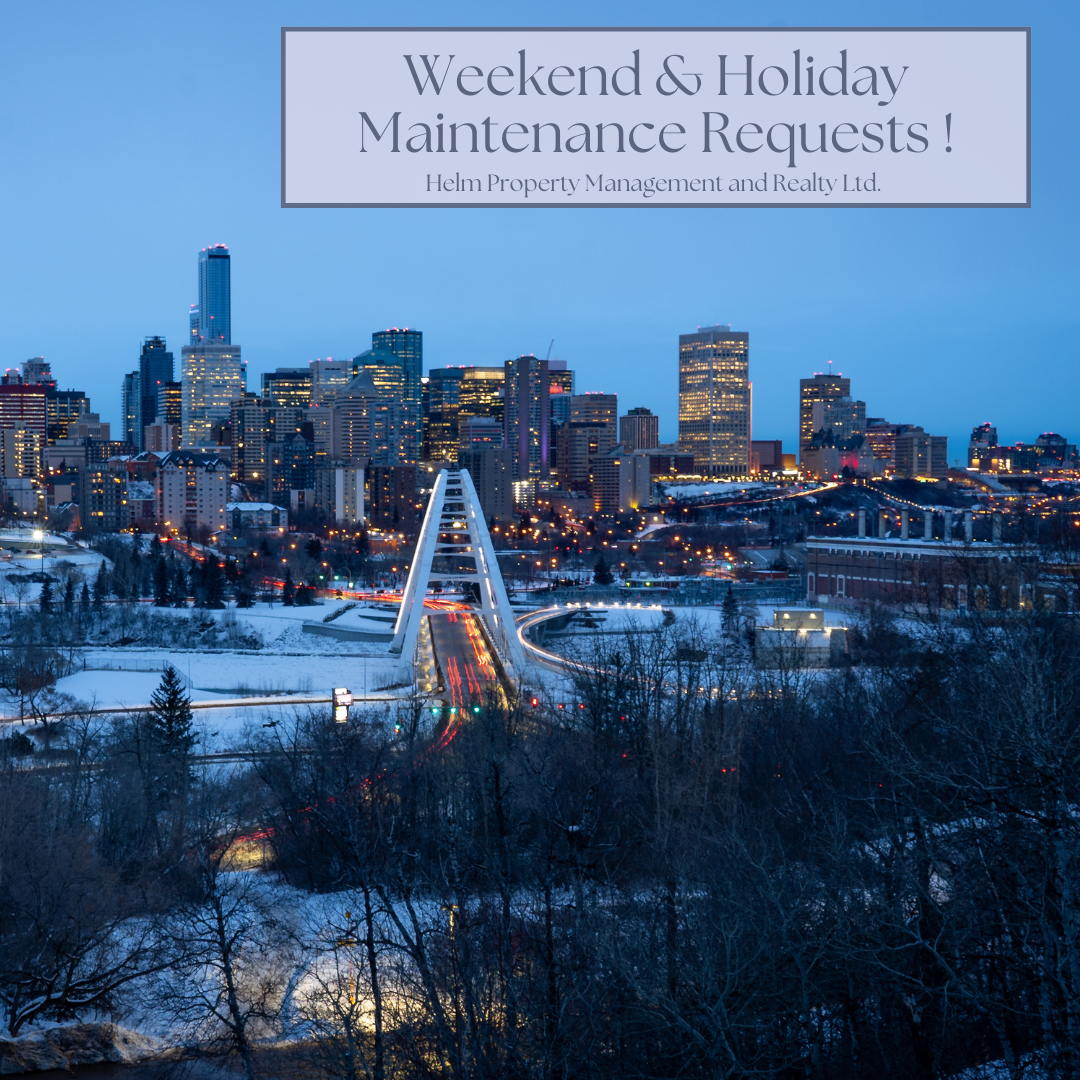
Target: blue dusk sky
<point>135,134</point>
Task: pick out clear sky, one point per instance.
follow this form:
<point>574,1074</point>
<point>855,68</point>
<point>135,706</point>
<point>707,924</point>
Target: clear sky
<point>131,135</point>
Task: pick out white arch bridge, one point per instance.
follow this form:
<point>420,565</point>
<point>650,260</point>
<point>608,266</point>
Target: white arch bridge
<point>477,648</point>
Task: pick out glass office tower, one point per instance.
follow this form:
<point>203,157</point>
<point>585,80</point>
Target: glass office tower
<point>214,296</point>
<point>155,370</point>
<point>211,376</point>
<point>409,346</point>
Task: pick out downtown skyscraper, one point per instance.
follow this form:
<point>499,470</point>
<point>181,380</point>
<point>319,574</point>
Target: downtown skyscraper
<point>408,346</point>
<point>714,400</point>
<point>155,370</point>
<point>823,389</point>
<point>215,304</point>
<point>527,416</point>
<point>212,374</point>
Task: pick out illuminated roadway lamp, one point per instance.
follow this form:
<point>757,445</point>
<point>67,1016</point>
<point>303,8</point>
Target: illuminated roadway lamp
<point>342,700</point>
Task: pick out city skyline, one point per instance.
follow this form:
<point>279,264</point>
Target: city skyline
<point>216,290</point>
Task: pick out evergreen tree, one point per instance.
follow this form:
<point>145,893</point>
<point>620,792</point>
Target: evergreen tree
<point>69,597</point>
<point>195,583</point>
<point>84,602</point>
<point>729,610</point>
<point>288,591</point>
<point>213,583</point>
<point>46,595</point>
<point>602,574</point>
<point>161,583</point>
<point>243,593</point>
<point>101,588</point>
<point>179,588</point>
<point>172,730</point>
<point>313,547</point>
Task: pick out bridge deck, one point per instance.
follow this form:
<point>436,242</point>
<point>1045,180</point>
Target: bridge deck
<point>464,657</point>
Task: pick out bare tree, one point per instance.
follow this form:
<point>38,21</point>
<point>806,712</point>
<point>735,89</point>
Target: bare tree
<point>234,948</point>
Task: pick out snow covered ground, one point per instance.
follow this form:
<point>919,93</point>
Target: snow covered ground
<point>719,488</point>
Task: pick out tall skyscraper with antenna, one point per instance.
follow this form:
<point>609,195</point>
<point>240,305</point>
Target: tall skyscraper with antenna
<point>215,306</point>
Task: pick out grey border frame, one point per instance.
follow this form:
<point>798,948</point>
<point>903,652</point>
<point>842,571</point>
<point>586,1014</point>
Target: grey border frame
<point>641,205</point>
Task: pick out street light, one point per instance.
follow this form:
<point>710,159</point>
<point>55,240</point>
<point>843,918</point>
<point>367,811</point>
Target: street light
<point>39,536</point>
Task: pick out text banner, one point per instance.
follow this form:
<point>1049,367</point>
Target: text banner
<point>655,117</point>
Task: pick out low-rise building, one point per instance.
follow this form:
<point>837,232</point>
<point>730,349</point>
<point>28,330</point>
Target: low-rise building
<point>799,638</point>
<point>256,515</point>
<point>927,573</point>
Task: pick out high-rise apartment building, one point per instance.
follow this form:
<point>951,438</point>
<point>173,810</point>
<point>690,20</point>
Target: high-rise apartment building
<point>339,493</point>
<point>822,388</point>
<point>155,370</point>
<point>288,386</point>
<point>393,437</point>
<point>255,424</point>
<point>212,374</point>
<point>170,403</point>
<point>192,491</point>
<point>327,378</point>
<point>919,454</point>
<point>20,452</point>
<point>581,444</point>
<point>62,409</point>
<point>527,416</point>
<point>489,467</point>
<point>560,391</point>
<point>408,346</point>
<point>37,372</point>
<point>131,407</point>
<point>290,466</point>
<point>215,304</point>
<point>592,430</point>
<point>362,428</point>
<point>22,409</point>
<point>714,400</point>
<point>247,435</point>
<point>621,482</point>
<point>639,429</point>
<point>393,500</point>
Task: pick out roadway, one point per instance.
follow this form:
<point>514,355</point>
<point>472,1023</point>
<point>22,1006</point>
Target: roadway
<point>464,657</point>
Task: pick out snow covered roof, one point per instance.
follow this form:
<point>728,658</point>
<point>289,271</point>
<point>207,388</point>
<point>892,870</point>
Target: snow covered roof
<point>252,507</point>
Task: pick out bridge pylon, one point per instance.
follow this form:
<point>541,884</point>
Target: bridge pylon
<point>454,526</point>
